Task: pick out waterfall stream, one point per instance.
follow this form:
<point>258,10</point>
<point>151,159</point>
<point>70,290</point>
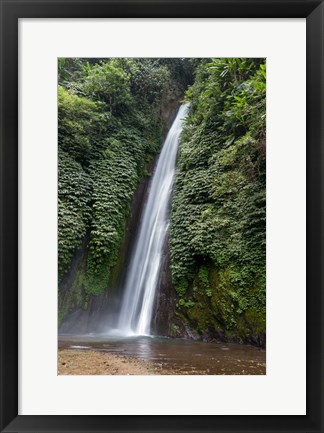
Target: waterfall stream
<point>143,271</point>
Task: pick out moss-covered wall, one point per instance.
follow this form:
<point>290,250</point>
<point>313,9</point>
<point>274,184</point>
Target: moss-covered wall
<point>218,222</point>
<point>212,284</point>
<point>92,273</point>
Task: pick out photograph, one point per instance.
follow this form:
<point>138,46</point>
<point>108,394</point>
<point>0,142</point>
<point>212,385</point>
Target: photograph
<point>161,216</point>
<point>161,207</point>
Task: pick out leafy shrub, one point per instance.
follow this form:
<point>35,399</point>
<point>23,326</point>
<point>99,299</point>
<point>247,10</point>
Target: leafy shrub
<point>217,233</point>
<point>109,129</point>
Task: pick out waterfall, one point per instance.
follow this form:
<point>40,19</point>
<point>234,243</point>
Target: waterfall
<point>142,275</point>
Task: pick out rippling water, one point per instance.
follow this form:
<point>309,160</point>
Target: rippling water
<point>177,355</point>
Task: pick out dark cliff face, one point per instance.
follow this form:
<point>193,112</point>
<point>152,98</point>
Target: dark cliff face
<point>166,298</point>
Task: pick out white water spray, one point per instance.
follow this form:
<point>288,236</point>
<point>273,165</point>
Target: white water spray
<point>142,276</point>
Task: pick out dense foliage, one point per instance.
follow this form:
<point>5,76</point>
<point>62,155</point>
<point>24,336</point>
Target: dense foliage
<point>218,230</point>
<point>109,129</point>
<point>111,116</point>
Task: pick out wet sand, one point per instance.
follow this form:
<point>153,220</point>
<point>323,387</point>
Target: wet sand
<point>89,362</point>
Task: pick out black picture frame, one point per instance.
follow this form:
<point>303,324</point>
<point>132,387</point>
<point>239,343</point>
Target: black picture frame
<point>11,11</point>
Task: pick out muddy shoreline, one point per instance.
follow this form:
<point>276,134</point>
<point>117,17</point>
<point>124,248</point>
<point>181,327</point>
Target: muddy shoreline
<point>90,362</point>
<point>156,356</point>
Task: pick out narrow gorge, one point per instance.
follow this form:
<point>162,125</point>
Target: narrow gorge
<point>162,204</point>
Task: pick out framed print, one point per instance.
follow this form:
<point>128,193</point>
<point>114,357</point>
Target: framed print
<point>161,216</point>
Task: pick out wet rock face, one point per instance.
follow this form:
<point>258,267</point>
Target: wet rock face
<point>169,106</point>
<point>70,290</point>
<point>259,340</point>
<point>84,321</point>
<point>165,302</point>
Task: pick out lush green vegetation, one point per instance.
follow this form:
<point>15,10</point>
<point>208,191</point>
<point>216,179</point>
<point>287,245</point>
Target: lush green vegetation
<point>218,230</point>
<point>110,127</point>
<point>112,115</point>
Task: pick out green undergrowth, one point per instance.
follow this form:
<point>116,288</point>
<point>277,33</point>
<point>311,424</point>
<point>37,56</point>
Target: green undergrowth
<point>218,222</point>
<point>110,129</point>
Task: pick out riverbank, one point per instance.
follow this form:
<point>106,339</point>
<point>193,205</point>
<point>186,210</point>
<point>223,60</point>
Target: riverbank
<point>90,362</point>
<point>156,356</point>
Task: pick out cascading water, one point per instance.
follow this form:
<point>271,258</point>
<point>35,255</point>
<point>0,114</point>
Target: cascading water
<point>142,275</point>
